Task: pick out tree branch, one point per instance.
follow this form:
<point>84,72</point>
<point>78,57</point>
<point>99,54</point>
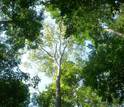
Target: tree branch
<point>60,44</point>
<point>117,33</point>
<point>47,52</point>
<point>62,54</point>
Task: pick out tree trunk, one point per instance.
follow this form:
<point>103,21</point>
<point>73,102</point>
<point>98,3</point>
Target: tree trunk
<point>58,89</point>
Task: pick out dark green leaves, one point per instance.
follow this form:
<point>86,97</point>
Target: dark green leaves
<point>13,93</point>
<point>104,70</point>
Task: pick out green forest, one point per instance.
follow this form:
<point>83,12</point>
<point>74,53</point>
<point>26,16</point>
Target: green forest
<point>77,44</point>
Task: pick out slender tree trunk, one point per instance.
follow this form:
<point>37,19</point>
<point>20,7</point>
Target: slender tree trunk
<point>58,89</point>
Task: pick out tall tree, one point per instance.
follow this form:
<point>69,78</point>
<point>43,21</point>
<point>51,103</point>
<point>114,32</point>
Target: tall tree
<point>53,51</point>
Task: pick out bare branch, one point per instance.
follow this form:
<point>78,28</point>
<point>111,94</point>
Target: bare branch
<point>47,52</point>
<point>60,36</point>
<point>63,50</point>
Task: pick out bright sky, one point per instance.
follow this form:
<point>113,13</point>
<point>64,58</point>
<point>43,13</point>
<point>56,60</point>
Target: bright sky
<point>30,67</point>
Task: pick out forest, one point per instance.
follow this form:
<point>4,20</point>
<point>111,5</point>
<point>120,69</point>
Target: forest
<point>61,53</point>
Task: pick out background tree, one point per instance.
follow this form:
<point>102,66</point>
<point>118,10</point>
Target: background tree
<point>16,21</point>
<point>13,82</point>
<point>104,70</point>
<point>85,15</point>
<point>13,91</point>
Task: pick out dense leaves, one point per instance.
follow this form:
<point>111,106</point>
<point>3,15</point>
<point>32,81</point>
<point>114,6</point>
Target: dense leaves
<point>13,93</point>
<point>104,70</point>
<point>18,18</point>
<point>20,24</point>
<point>82,15</point>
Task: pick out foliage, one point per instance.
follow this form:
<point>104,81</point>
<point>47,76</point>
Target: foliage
<point>104,70</point>
<point>13,93</point>
<point>72,91</point>
<point>118,23</point>
<point>16,20</point>
<point>84,15</point>
<point>15,26</point>
<point>20,24</point>
<point>46,98</point>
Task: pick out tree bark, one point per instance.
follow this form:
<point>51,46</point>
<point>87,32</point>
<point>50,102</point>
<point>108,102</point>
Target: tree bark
<point>58,89</point>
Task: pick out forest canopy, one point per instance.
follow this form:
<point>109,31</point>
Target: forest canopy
<point>94,79</point>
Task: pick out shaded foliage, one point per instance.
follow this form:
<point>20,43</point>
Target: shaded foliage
<point>104,70</point>
<point>46,98</point>
<point>84,15</point>
<point>19,22</point>
<point>13,93</point>
<point>18,18</point>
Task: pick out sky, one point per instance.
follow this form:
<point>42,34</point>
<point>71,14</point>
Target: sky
<point>30,67</point>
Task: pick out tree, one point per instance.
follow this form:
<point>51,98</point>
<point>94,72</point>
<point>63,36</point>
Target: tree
<point>16,20</point>
<point>14,93</point>
<point>85,15</point>
<point>55,49</point>
<point>104,70</point>
<point>13,82</point>
<point>73,92</point>
<point>77,19</point>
